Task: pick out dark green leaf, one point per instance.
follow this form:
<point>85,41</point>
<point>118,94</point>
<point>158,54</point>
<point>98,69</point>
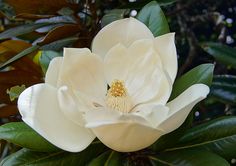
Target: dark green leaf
<point>152,16</point>
<point>46,57</point>
<point>20,30</point>
<point>20,55</point>
<point>106,159</point>
<point>188,158</point>
<point>60,158</point>
<point>224,88</point>
<point>218,136</point>
<point>222,53</point>
<point>200,74</point>
<point>59,44</point>
<point>21,134</point>
<point>113,15</point>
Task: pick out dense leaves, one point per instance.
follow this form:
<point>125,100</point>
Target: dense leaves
<point>21,134</point>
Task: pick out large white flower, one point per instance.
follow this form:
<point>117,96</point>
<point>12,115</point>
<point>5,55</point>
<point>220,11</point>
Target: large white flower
<point>117,93</point>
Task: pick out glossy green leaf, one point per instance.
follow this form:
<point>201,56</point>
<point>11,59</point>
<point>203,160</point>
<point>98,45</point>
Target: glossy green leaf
<point>152,16</point>
<point>20,30</point>
<point>224,88</point>
<point>21,134</point>
<point>107,158</point>
<point>59,44</point>
<point>113,15</point>
<point>20,55</point>
<point>222,53</point>
<point>60,158</point>
<point>46,57</point>
<point>218,136</point>
<point>200,74</point>
<point>188,158</point>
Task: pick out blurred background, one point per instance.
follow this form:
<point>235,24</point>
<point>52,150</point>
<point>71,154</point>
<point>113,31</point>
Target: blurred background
<point>33,32</point>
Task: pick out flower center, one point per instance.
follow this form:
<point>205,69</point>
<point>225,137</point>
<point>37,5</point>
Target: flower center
<point>118,98</point>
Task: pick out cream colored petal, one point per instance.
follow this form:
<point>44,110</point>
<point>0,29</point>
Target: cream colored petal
<point>124,31</point>
<point>52,73</point>
<point>116,63</point>
<point>39,108</point>
<point>154,114</point>
<point>165,46</point>
<point>144,81</point>
<point>182,105</point>
<point>83,71</point>
<point>127,137</point>
<point>69,106</point>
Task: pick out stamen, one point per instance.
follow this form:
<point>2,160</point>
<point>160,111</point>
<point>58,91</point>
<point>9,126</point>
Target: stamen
<point>118,98</point>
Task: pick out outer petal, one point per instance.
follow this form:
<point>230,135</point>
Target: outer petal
<point>154,114</point>
<point>122,132</point>
<point>182,105</point>
<point>83,71</point>
<point>127,137</point>
<point>165,46</point>
<point>53,71</point>
<point>124,31</point>
<point>39,108</point>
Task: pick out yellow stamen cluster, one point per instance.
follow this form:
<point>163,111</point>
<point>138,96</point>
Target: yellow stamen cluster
<point>117,89</point>
<point>118,98</point>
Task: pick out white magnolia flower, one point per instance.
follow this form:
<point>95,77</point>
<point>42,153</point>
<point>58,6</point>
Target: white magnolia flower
<point>117,93</point>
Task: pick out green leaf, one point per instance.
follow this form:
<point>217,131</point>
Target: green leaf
<point>107,158</point>
<point>60,158</point>
<point>113,15</point>
<point>46,57</point>
<point>218,136</point>
<point>20,55</point>
<point>59,44</point>
<point>188,158</point>
<point>15,91</point>
<point>21,134</point>
<point>152,16</point>
<point>222,53</point>
<point>200,74</point>
<point>224,88</point>
<point>20,30</point>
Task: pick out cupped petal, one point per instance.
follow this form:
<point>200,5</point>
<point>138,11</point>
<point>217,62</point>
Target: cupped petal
<point>144,82</point>
<point>83,71</point>
<point>52,73</point>
<point>40,109</point>
<point>154,114</point>
<point>127,137</point>
<point>165,46</point>
<point>121,131</point>
<point>124,31</point>
<point>182,105</point>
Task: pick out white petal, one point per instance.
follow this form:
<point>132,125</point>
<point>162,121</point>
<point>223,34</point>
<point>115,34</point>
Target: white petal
<point>52,73</point>
<point>39,108</point>
<point>83,71</point>
<point>165,46</point>
<point>116,63</point>
<point>124,31</point>
<point>154,114</point>
<point>68,105</point>
<point>127,137</point>
<point>122,132</point>
<point>144,81</point>
<point>182,105</point>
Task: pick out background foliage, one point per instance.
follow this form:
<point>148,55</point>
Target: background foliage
<point>33,32</point>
